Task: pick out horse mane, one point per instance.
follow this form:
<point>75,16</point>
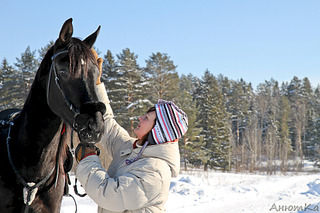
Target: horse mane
<point>79,52</point>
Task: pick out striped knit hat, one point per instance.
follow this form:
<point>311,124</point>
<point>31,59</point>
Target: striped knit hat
<point>171,123</point>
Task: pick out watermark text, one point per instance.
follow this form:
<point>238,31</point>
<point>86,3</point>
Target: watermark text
<point>290,208</point>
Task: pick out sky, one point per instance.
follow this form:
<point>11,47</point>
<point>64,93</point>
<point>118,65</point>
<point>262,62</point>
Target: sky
<point>255,40</point>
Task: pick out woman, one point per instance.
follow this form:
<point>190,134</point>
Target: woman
<point>138,178</point>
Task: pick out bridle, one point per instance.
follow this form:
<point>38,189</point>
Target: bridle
<point>75,110</point>
<point>71,107</point>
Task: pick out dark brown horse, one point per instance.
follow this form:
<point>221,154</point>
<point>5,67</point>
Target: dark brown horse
<point>32,146</point>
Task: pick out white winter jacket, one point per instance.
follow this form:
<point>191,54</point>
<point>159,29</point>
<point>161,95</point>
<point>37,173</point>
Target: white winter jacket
<point>142,186</point>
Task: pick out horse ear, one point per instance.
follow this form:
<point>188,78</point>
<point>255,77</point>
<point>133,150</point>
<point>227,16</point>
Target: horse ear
<point>92,38</point>
<point>66,31</point>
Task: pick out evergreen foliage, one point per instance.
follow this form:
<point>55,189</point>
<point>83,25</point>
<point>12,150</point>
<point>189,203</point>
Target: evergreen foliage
<point>213,119</point>
<point>126,88</point>
<point>27,66</point>
<point>190,150</point>
<point>231,126</point>
<point>9,87</point>
<point>162,77</point>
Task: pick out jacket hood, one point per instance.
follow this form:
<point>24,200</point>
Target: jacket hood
<point>168,152</point>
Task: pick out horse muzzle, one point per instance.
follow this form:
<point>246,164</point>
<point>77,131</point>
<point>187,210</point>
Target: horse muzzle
<point>89,123</point>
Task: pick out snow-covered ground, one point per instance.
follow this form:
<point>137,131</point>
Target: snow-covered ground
<point>231,193</point>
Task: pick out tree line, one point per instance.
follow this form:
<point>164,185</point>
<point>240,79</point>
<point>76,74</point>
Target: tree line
<point>232,126</point>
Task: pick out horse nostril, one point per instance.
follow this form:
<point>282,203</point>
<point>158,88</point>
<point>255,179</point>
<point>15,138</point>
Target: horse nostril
<point>92,126</point>
<point>82,134</point>
<point>75,125</point>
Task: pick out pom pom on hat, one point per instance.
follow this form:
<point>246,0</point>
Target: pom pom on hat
<point>171,123</point>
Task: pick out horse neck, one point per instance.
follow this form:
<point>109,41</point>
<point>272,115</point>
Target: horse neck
<point>38,127</point>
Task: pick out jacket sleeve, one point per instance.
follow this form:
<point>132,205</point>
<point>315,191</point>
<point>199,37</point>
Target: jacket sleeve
<point>114,135</point>
<point>135,189</point>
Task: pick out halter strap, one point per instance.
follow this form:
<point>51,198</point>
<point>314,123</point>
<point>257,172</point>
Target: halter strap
<point>72,108</point>
<point>58,53</point>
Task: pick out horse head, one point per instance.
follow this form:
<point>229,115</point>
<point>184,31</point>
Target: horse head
<point>71,85</point>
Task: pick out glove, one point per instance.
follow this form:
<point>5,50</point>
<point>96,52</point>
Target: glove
<point>84,150</point>
<point>99,62</point>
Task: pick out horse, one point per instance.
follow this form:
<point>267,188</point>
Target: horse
<point>33,144</point>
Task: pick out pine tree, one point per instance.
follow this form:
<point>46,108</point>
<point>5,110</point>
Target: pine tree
<point>126,90</point>
<point>213,119</point>
<point>239,101</point>
<point>225,87</point>
<point>238,105</point>
<point>27,66</point>
<point>109,67</point>
<point>184,99</point>
<point>268,99</point>
<point>162,77</point>
<point>9,87</point>
<point>111,74</point>
<point>314,149</point>
<point>284,133</point>
<point>309,130</point>
<point>298,119</point>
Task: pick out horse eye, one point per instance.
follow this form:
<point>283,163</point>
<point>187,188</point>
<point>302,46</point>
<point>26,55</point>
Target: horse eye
<point>64,74</point>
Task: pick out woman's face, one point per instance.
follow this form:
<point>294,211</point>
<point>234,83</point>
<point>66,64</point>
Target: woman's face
<point>145,125</point>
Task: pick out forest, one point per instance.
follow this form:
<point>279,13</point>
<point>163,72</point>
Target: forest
<point>272,128</point>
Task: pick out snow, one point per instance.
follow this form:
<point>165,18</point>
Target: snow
<point>198,191</point>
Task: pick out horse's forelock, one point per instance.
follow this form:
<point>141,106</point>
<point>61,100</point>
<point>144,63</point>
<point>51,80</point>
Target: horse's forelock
<point>79,54</point>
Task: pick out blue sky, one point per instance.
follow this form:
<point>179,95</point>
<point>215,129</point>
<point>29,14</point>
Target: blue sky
<point>251,39</point>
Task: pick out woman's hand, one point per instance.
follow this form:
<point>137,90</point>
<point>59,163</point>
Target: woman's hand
<point>99,62</point>
<point>84,150</point>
